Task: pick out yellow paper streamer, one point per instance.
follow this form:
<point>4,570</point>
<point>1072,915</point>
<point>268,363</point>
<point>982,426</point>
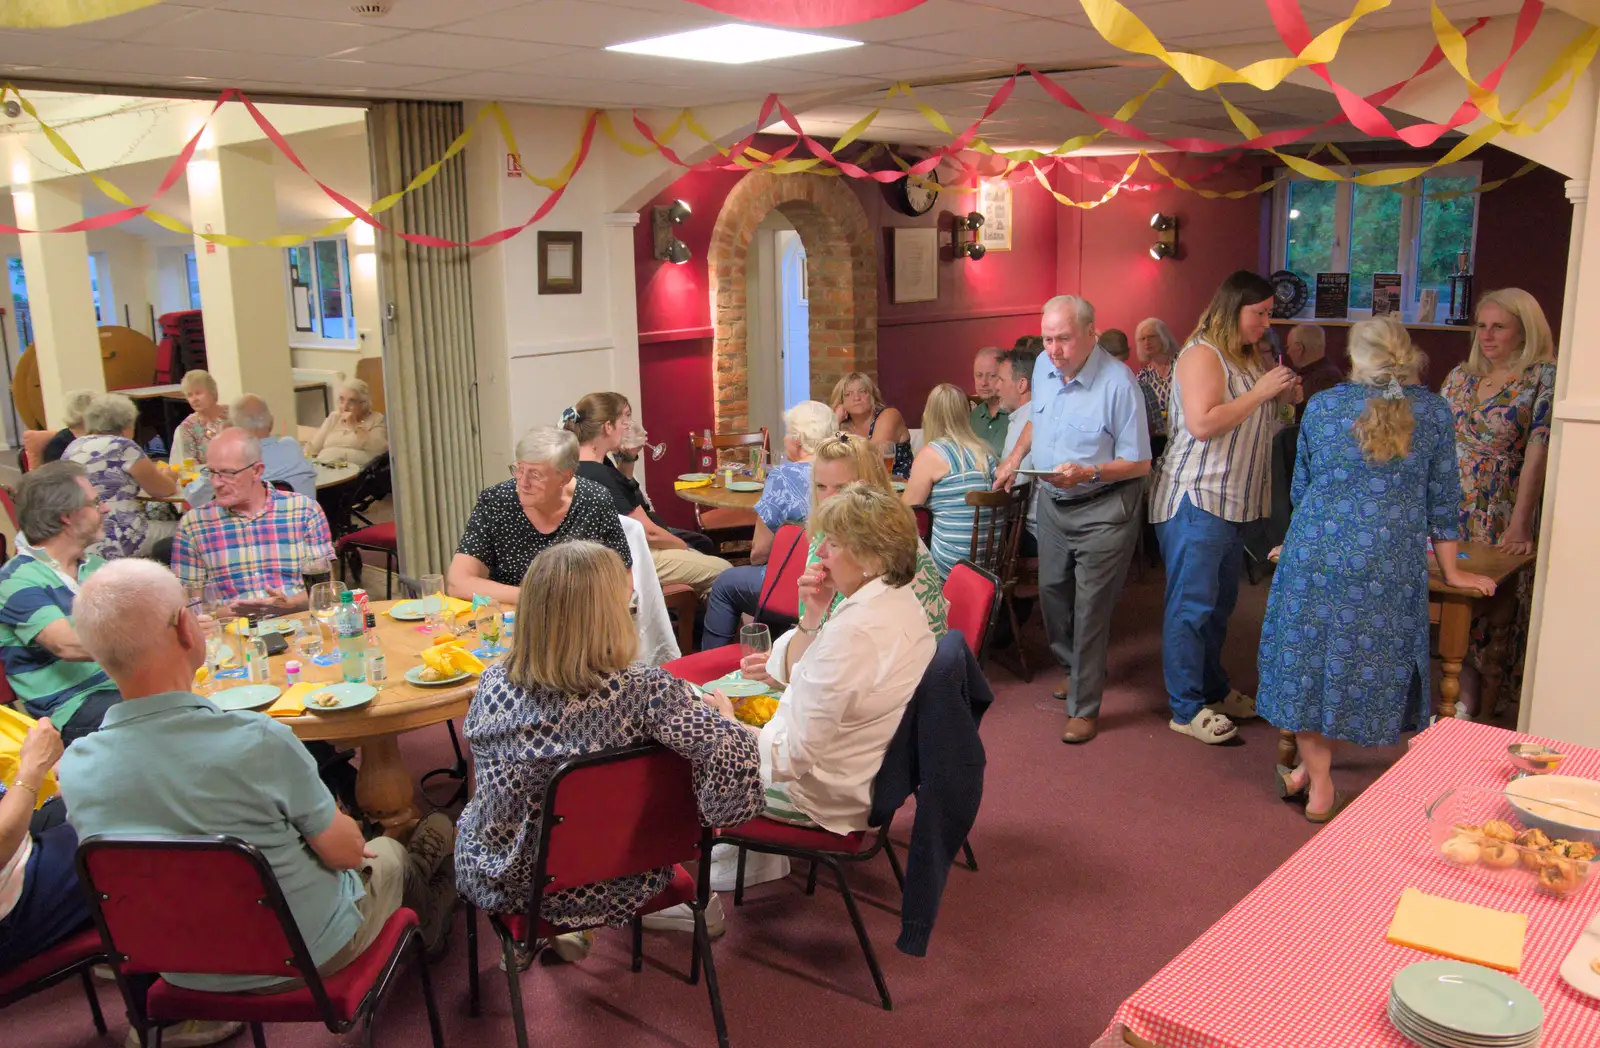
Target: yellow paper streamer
<point>56,14</point>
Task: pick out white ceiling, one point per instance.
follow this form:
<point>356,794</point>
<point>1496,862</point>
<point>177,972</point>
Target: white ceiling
<point>551,51</point>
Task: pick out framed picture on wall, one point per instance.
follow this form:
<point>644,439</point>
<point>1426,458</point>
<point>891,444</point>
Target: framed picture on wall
<point>994,204</point>
<point>560,263</point>
<point>916,265</point>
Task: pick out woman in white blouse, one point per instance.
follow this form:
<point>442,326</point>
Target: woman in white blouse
<point>354,432</point>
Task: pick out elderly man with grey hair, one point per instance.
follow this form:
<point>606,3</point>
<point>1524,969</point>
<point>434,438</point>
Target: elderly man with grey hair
<point>1306,350</point>
<point>250,543</point>
<point>1089,439</point>
<point>544,503</point>
<point>168,762</point>
<point>281,457</point>
<point>60,517</point>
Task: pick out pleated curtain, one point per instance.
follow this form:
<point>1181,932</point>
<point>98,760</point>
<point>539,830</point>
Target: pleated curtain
<point>428,362</point>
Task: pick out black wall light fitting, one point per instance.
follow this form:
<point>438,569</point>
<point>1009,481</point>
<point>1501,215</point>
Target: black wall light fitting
<point>668,248</point>
<point>1166,245</point>
<point>964,237</point>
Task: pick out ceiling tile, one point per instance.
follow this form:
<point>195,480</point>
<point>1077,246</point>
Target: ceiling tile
<point>451,51</point>
<point>1040,43</point>
<point>263,34</point>
<point>124,26</point>
<point>37,49</point>
<point>344,73</point>
<point>926,19</point>
<point>879,60</point>
<point>583,24</point>
<point>406,14</point>
<point>177,62</point>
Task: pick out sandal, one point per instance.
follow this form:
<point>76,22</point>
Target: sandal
<point>1237,706</point>
<point>1340,802</point>
<point>1209,726</point>
<point>1282,777</point>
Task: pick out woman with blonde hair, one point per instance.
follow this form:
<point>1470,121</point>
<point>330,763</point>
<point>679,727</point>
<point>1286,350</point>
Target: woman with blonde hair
<point>209,416</point>
<point>858,404</point>
<point>1344,646</point>
<point>1212,481</point>
<point>954,461</point>
<point>570,687</point>
<point>353,432</point>
<point>1501,399</point>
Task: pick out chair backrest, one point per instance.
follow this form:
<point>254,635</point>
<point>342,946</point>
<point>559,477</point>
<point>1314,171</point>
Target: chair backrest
<point>991,528</point>
<point>198,905</point>
<point>614,814</point>
<point>283,485</point>
<point>972,594</point>
<point>786,562</point>
<point>8,695</point>
<point>10,505</point>
<point>706,460</point>
<point>370,371</point>
<point>34,441</point>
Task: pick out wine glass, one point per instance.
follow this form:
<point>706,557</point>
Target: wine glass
<point>635,438</point>
<point>324,605</point>
<point>307,641</point>
<point>754,639</point>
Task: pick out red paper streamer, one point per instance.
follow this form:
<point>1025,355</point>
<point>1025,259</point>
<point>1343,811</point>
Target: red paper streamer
<point>809,14</point>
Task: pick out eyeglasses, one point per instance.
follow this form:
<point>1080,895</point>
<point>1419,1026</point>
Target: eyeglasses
<point>229,473</point>
<point>521,471</point>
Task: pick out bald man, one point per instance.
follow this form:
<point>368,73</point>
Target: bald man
<point>281,457</point>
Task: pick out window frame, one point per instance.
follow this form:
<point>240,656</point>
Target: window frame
<point>314,339</point>
<point>1410,229</point>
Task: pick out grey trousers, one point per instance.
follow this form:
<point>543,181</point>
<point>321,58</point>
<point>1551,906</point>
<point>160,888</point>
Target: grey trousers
<point>1084,552</point>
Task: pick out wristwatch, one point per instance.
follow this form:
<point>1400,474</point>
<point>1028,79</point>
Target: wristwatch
<point>1094,478</point>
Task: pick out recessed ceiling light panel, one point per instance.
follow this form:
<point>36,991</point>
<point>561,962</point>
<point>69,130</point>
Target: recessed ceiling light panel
<point>735,44</point>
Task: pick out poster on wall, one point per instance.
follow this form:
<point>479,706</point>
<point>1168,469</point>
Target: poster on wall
<point>1333,296</point>
<point>994,204</point>
<point>1385,294</point>
<point>916,265</point>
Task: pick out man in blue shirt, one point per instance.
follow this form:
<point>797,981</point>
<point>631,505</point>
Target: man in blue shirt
<point>282,456</point>
<point>168,762</point>
<point>1086,426</point>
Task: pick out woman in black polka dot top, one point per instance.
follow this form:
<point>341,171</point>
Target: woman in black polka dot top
<point>542,505</point>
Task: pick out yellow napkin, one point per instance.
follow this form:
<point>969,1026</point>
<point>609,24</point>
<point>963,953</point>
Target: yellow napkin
<point>14,727</point>
<point>684,485</point>
<point>292,702</point>
<point>1459,930</point>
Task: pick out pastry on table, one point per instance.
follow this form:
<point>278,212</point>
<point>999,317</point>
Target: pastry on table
<point>1533,839</point>
<point>1461,849</point>
<point>1583,851</point>
<point>1560,876</point>
<point>1500,830</point>
<point>1498,854</point>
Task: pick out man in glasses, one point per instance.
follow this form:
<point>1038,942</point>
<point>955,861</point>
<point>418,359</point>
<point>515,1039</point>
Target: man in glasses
<point>249,542</point>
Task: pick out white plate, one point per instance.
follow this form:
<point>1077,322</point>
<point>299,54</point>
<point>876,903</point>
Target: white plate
<point>1470,999</point>
<point>1577,969</point>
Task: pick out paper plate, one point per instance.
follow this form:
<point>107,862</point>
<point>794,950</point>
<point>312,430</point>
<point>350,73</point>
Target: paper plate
<point>349,695</point>
<point>414,675</point>
<point>247,697</point>
<point>694,478</point>
<point>745,485</point>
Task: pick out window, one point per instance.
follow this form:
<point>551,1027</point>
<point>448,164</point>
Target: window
<point>1339,227</point>
<point>19,299</point>
<point>319,293</point>
<point>192,274</point>
<point>100,288</point>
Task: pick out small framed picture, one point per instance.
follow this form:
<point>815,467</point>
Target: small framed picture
<point>916,264</point>
<point>994,204</point>
<point>560,263</point>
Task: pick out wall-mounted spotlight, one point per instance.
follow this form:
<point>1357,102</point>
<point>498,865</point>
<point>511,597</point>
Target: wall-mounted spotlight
<point>964,237</point>
<point>668,248</point>
<point>1166,245</point>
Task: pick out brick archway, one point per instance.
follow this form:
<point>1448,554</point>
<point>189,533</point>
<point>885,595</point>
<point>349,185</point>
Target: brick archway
<point>841,282</point>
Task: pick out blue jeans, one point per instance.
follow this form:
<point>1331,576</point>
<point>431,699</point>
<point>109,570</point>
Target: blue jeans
<point>51,906</point>
<point>1204,555</point>
<point>735,592</point>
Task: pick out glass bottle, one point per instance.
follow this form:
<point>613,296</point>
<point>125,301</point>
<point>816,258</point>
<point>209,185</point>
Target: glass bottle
<point>377,663</point>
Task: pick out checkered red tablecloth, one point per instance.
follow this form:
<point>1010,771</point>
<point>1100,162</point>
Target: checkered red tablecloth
<point>1302,959</point>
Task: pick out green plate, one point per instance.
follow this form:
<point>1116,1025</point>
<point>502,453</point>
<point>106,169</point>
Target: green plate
<point>745,485</point>
<point>736,689</point>
<point>1468,998</point>
<point>407,611</point>
<point>246,697</point>
<point>349,695</point>
<point>899,485</point>
<point>414,675</point>
<point>694,478</point>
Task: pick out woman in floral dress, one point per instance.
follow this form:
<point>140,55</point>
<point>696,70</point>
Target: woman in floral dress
<point>119,470</point>
<point>1501,398</point>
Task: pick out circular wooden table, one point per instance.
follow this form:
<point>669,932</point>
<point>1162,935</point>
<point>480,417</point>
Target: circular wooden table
<point>384,787</point>
<point>719,497</point>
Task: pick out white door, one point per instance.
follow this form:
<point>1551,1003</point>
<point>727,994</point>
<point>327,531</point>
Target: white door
<point>795,312</point>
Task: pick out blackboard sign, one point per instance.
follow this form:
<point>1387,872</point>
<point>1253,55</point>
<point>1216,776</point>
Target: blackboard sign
<point>1333,295</point>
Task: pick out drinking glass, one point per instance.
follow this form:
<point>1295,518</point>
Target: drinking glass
<point>307,641</point>
<point>754,639</point>
<point>315,569</point>
<point>324,605</point>
<point>491,620</point>
<point>433,603</point>
<point>634,438</point>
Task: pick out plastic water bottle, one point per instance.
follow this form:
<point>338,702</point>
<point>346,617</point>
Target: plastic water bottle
<point>350,631</point>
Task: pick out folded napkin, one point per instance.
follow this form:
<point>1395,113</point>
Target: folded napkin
<point>292,703</point>
<point>684,485</point>
<point>1459,930</point>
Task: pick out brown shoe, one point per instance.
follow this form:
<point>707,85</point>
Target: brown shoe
<point>1081,729</point>
<point>1060,694</point>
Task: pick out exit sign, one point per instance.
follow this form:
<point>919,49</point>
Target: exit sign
<point>513,165</point>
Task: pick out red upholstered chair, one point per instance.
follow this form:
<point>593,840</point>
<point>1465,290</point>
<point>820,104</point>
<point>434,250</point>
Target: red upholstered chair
<point>780,594</point>
<point>607,815</point>
<point>379,538</point>
<point>73,956</point>
<point>211,905</point>
<point>682,604</point>
<point>972,594</point>
<point>8,695</point>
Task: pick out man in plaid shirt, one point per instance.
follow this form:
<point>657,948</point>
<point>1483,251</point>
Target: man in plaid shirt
<point>248,544</point>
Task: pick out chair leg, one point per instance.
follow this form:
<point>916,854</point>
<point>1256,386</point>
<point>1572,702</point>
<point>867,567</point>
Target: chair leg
<point>638,943</point>
<point>702,943</point>
<point>434,1027</point>
<point>894,862</point>
<point>391,568</point>
<point>972,860</point>
<point>94,1002</point>
<point>473,1000</point>
<point>258,1036</point>
<point>811,879</point>
<point>1016,634</point>
<point>861,933</point>
<point>514,985</point>
<point>738,881</point>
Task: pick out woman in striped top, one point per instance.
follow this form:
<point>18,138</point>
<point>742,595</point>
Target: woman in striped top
<point>955,461</point>
<point>1213,479</point>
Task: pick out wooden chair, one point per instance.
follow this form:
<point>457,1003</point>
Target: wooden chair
<point>731,530</point>
<point>370,371</point>
<point>999,519</point>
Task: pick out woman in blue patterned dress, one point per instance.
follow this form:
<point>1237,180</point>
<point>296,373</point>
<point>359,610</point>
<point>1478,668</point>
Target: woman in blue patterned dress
<point>955,461</point>
<point>119,469</point>
<point>570,687</point>
<point>1344,646</point>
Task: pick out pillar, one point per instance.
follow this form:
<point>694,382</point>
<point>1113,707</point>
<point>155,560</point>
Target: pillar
<point>243,289</point>
<point>56,266</point>
<point>622,303</point>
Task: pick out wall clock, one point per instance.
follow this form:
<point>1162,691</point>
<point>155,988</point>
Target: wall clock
<point>915,196</point>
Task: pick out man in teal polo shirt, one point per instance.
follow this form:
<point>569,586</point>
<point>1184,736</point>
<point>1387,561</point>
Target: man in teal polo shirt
<point>168,762</point>
<point>59,515</point>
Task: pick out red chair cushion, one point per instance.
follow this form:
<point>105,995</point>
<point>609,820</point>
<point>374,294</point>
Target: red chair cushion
<point>347,988</point>
<point>769,831</point>
<point>707,665</point>
<point>680,891</point>
<point>717,518</point>
<point>84,946</point>
<point>378,536</point>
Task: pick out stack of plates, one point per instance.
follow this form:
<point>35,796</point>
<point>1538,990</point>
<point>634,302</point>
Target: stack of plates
<point>1453,1004</point>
